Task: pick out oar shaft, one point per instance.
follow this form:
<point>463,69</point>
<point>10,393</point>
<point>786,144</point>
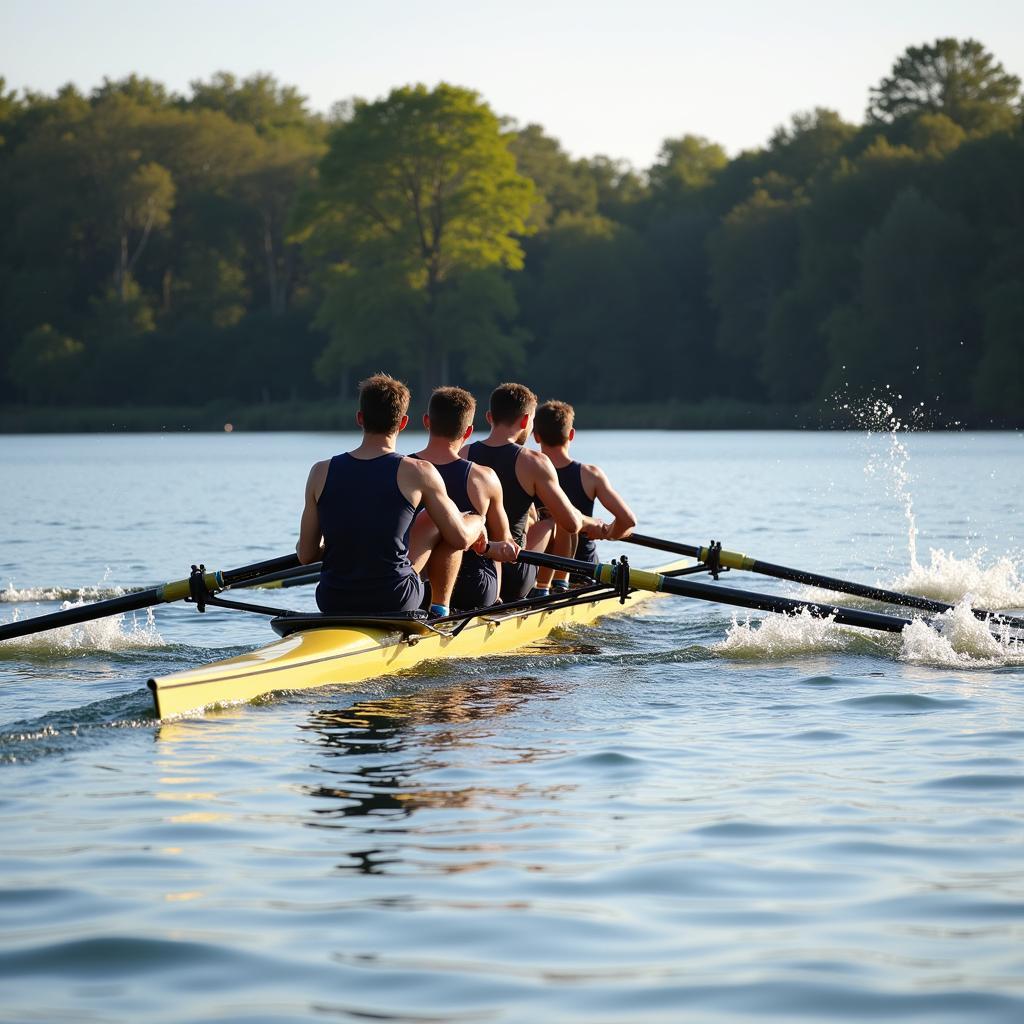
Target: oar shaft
<point>641,579</point>
<point>735,560</point>
<point>177,590</point>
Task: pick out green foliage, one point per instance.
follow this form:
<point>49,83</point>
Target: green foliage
<point>46,365</point>
<point>753,256</point>
<point>909,326</point>
<point>686,166</point>
<point>259,101</point>
<point>958,78</point>
<point>230,245</point>
<point>418,191</point>
<point>999,384</point>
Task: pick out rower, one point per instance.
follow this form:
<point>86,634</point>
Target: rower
<point>524,475</point>
<point>358,518</point>
<point>584,484</point>
<point>473,488</point>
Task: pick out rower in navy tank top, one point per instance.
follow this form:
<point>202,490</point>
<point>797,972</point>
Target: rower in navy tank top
<point>366,567</point>
<point>570,479</point>
<point>476,586</point>
<point>525,475</point>
<point>359,518</point>
<point>583,483</point>
<point>473,488</point>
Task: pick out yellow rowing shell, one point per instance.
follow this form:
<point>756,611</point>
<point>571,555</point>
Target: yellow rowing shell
<point>336,656</point>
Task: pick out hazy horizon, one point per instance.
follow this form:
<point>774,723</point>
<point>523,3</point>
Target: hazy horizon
<point>602,78</point>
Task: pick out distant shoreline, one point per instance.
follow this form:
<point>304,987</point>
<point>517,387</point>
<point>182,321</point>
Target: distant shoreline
<point>332,415</point>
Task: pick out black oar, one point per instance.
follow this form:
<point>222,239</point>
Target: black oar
<point>641,579</point>
<point>177,590</point>
<point>734,560</point>
<point>299,576</point>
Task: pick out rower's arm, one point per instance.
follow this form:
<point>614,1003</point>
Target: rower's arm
<point>310,546</point>
<point>623,520</point>
<point>500,545</point>
<point>458,530</point>
<point>552,497</point>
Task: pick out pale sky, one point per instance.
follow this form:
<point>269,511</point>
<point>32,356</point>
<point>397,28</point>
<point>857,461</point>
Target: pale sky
<point>602,77</point>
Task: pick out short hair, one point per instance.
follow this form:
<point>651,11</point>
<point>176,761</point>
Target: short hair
<point>451,411</point>
<point>553,422</point>
<point>511,402</point>
<point>383,401</point>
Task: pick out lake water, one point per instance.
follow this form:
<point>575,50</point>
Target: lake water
<point>673,815</point>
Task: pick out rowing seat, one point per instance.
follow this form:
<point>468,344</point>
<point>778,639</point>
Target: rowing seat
<point>408,624</point>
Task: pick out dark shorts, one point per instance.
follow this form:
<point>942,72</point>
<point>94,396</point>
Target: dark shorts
<point>517,580</point>
<point>475,588</point>
<point>404,594</point>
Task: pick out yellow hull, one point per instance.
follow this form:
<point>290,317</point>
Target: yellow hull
<point>324,657</point>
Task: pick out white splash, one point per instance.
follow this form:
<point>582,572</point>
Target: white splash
<point>783,636</point>
<point>959,639</point>
<point>951,579</point>
<point>112,633</point>
<point>955,639</point>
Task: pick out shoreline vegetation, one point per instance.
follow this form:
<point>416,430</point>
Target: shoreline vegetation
<point>337,416</point>
<point>227,255</point>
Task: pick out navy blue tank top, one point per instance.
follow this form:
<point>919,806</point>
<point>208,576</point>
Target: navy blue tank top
<point>570,479</point>
<point>365,520</point>
<point>502,459</point>
<point>456,482</point>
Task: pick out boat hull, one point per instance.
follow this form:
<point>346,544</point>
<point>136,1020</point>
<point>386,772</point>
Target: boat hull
<point>336,656</point>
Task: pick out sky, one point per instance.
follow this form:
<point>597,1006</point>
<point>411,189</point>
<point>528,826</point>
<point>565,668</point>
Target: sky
<point>612,78</point>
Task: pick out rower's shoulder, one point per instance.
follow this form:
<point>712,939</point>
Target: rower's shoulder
<point>593,471</point>
<point>535,460</point>
<point>483,475</point>
<point>415,467</point>
<point>318,471</point>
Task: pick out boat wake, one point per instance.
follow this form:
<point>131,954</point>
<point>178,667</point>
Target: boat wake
<point>61,732</point>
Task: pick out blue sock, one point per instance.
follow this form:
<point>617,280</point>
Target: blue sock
<point>560,585</point>
<point>438,610</point>
<point>539,592</point>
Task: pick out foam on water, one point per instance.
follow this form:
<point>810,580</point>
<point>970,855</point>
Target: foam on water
<point>955,639</point>
<point>959,639</point>
<point>951,579</point>
<point>23,595</point>
<point>100,591</point>
<point>112,633</point>
<point>785,636</point>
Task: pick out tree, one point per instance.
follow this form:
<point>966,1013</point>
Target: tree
<point>912,326</point>
<point>417,191</point>
<point>258,101</point>
<point>45,367</point>
<point>958,78</point>
<point>561,184</point>
<point>686,165</point>
<point>753,260</point>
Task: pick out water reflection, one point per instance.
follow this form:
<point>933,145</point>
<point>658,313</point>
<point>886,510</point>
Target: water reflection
<point>386,760</point>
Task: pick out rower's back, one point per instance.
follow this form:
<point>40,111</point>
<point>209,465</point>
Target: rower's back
<point>357,518</point>
<point>502,459</point>
<point>365,520</point>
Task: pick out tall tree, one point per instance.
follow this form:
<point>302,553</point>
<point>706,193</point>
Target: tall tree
<point>958,78</point>
<point>418,191</point>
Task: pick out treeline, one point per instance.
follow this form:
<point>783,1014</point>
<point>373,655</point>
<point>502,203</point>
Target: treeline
<point>158,249</point>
